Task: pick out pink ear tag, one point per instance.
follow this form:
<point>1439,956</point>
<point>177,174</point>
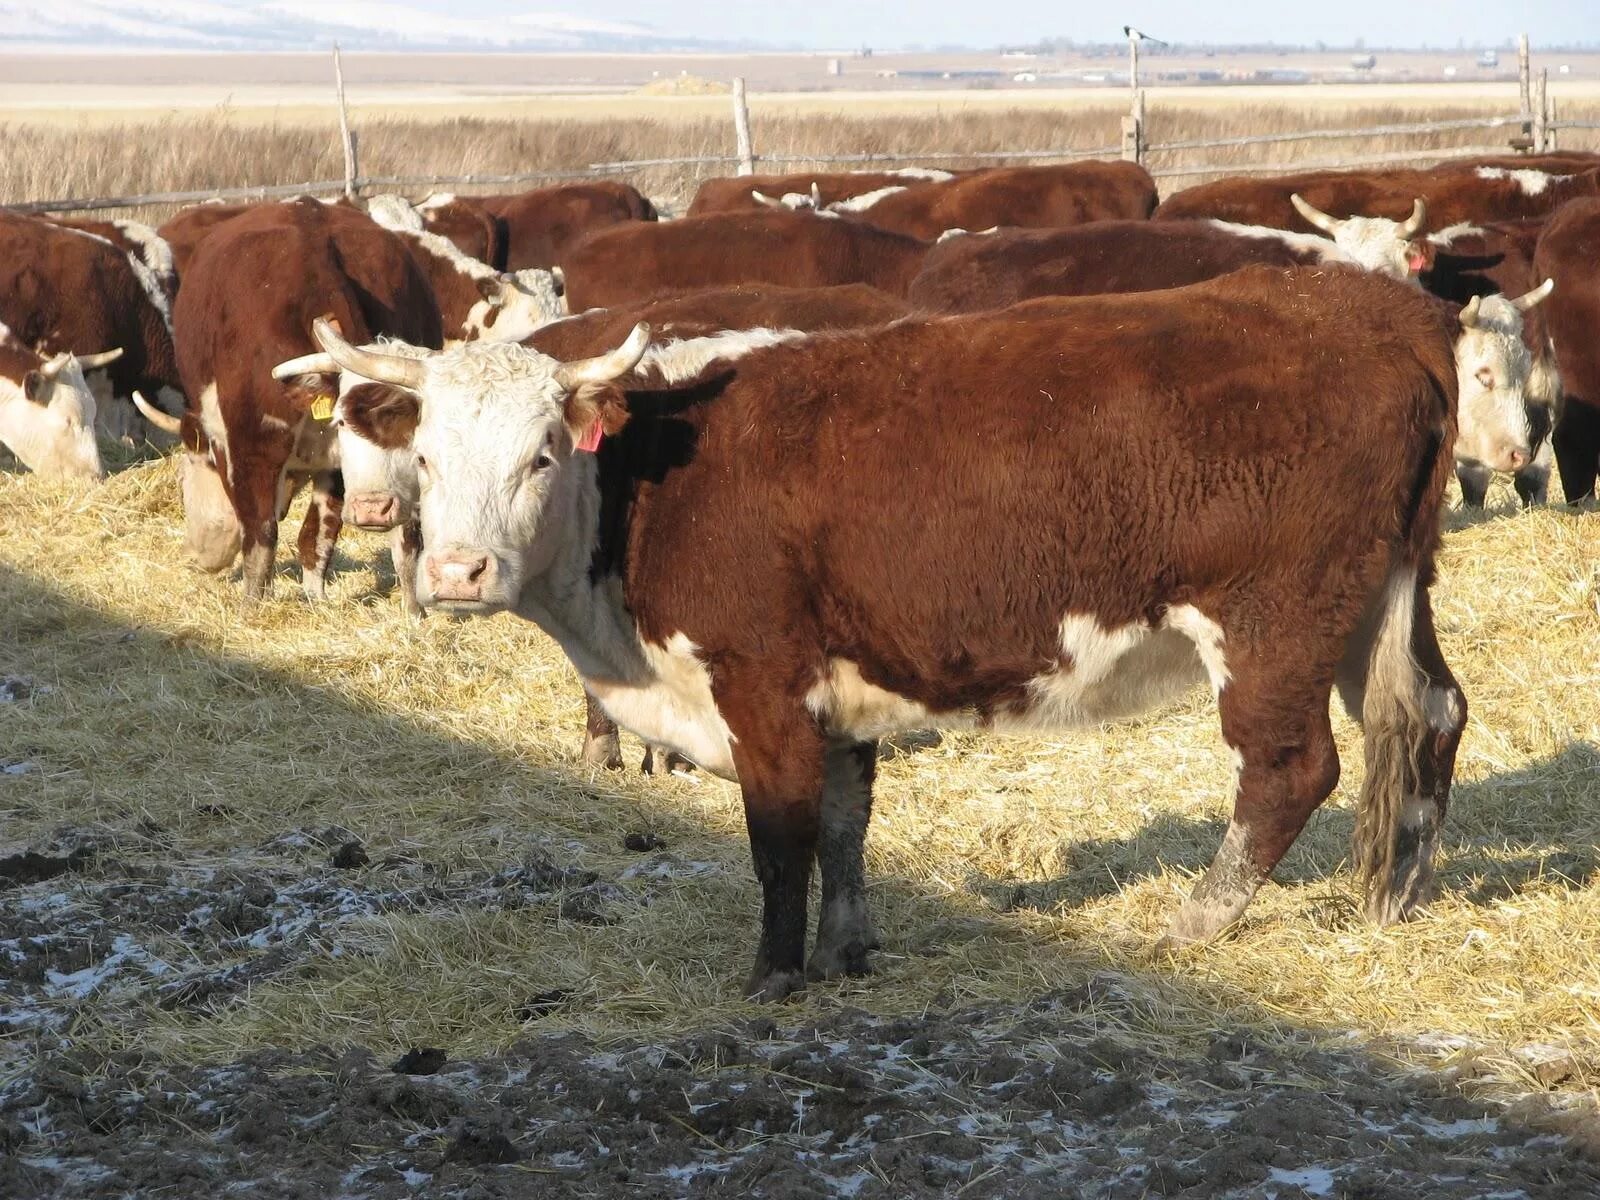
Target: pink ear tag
<point>590,441</point>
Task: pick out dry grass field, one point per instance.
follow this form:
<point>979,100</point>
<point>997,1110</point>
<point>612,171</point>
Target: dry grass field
<point>248,859</point>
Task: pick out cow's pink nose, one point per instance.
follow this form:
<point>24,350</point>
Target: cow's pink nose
<point>374,510</point>
<point>1516,460</point>
<point>459,575</point>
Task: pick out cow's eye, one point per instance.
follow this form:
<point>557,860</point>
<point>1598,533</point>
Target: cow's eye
<point>422,469</point>
<point>543,462</point>
<point>1486,377</point>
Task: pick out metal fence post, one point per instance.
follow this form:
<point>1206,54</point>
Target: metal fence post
<point>741,129</point>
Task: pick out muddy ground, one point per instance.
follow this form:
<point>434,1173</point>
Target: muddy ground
<point>1025,1100</point>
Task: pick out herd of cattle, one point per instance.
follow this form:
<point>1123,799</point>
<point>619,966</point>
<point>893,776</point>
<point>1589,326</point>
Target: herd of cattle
<point>836,456</point>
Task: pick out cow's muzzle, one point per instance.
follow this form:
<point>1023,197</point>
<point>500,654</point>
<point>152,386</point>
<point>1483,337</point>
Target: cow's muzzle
<point>373,510</point>
<point>460,576</point>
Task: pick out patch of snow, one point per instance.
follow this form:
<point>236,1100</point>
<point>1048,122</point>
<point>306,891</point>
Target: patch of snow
<point>1316,1180</point>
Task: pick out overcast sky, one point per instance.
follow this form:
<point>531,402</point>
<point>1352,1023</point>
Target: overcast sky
<point>849,23</point>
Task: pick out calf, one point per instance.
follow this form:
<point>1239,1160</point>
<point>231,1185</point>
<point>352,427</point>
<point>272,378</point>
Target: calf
<point>47,413</point>
<point>246,304</point>
<point>827,541</point>
<point>635,262</point>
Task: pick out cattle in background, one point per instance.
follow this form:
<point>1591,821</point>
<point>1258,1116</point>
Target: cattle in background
<point>736,194</point>
<point>733,602</point>
<point>188,227</point>
<point>64,289</point>
<point>47,412</point>
<point>629,263</point>
<point>466,224</point>
<point>246,304</point>
<point>1452,196</point>
<point>1021,197</point>
<point>542,225</point>
<point>1567,252</point>
<point>142,242</point>
<point>475,300</point>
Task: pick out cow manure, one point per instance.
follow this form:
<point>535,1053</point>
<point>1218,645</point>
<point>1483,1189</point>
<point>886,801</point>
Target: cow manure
<point>349,856</point>
<point>421,1060</point>
<point>544,1004</point>
<point>474,1145</point>
<point>643,843</point>
<point>19,870</point>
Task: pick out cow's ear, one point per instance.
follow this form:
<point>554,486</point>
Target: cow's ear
<point>596,402</point>
<point>493,289</point>
<point>1420,255</point>
<point>36,387</point>
<point>381,413</point>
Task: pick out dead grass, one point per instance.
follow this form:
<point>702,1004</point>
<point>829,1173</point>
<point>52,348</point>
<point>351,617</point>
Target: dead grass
<point>213,150</point>
<point>1000,867</point>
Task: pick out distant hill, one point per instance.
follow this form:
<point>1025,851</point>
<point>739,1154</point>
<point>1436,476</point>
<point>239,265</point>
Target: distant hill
<point>153,25</point>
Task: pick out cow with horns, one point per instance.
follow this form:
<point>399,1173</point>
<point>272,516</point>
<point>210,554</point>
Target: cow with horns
<point>827,540</point>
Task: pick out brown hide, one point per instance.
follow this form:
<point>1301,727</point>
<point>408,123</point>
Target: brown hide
<point>247,303</point>
<point>634,262</point>
<point>1568,250</point>
<point>469,226</point>
<point>541,226</point>
<point>1452,196</point>
<point>63,290</point>
<point>188,227</point>
<point>1021,197</point>
<point>991,271</point>
<point>697,314</point>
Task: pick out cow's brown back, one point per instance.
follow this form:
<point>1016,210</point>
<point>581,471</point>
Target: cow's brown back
<point>735,194</point>
<point>541,226</point>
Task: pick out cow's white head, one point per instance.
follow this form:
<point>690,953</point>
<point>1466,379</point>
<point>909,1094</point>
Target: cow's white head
<point>1388,247</point>
<point>47,419</point>
<point>494,427</point>
<point>380,485</point>
<point>1493,368</point>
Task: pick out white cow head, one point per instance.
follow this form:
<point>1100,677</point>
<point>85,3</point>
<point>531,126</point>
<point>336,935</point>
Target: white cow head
<point>1493,367</point>
<point>514,304</point>
<point>494,427</point>
<point>1389,247</point>
<point>47,420</point>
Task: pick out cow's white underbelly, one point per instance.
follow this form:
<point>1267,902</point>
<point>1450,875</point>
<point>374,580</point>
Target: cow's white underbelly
<point>1104,675</point>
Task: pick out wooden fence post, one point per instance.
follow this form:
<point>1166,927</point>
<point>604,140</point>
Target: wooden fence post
<point>1550,129</point>
<point>346,138</point>
<point>741,129</point>
<point>1525,89</point>
<point>1133,139</point>
<point>1541,112</point>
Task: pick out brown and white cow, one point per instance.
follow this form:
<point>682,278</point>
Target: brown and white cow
<point>246,304</point>
<point>543,225</point>
<point>68,290</point>
<point>1568,249</point>
<point>47,412</point>
<point>466,224</point>
<point>630,263</point>
<point>475,300</point>
<point>858,533</point>
<point>738,194</point>
<point>1452,196</point>
<point>1020,197</point>
<point>188,227</point>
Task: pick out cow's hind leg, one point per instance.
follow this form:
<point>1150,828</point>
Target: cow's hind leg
<point>844,932</point>
<point>324,520</point>
<point>1395,682</point>
<point>1577,445</point>
<point>1274,711</point>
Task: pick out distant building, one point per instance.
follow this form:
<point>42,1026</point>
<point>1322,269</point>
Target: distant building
<point>835,66</point>
<point>1364,62</point>
<point>1488,59</point>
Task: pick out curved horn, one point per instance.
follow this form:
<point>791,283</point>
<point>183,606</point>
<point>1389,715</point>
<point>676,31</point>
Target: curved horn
<point>53,366</point>
<point>163,421</point>
<point>1528,299</point>
<point>606,367</point>
<point>307,364</point>
<point>1469,314</point>
<point>763,198</point>
<point>1315,216</point>
<point>1413,224</point>
<point>380,368</point>
<point>91,362</point>
<point>816,196</point>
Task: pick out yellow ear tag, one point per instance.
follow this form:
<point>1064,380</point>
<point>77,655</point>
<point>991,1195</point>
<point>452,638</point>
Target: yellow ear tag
<point>322,407</point>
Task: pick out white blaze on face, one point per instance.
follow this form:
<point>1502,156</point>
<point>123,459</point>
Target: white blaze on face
<point>47,420</point>
<point>211,528</point>
<point>1379,245</point>
<point>1492,370</point>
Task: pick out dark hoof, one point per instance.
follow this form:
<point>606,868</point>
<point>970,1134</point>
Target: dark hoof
<point>770,986</point>
<point>838,962</point>
<point>603,751</point>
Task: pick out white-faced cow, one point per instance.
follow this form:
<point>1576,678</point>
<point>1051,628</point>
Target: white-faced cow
<point>738,194</point>
<point>47,412</point>
<point>925,525</point>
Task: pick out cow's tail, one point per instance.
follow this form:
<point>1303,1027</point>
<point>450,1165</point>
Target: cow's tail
<point>1411,711</point>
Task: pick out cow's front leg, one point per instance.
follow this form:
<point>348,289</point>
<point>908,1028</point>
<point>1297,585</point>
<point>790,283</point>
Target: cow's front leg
<point>844,931</point>
<point>255,500</point>
<point>324,520</point>
<point>405,546</point>
<point>602,744</point>
<point>1474,479</point>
